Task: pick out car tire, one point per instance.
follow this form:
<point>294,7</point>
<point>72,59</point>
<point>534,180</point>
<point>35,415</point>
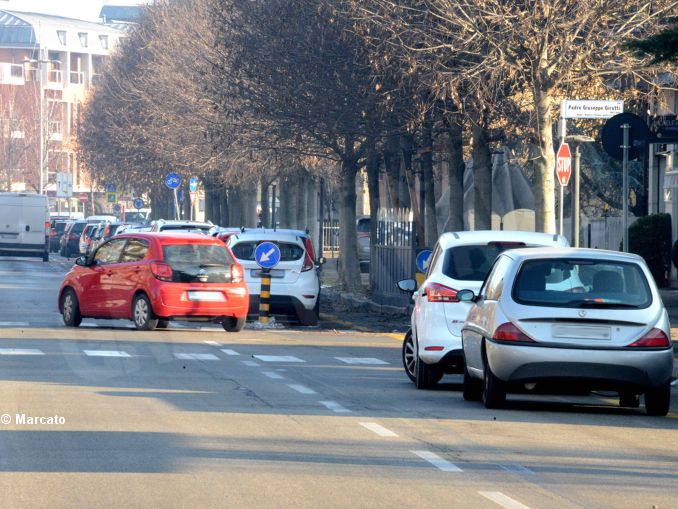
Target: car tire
<point>494,392</point>
<point>409,356</point>
<point>163,324</point>
<point>658,400</point>
<point>70,309</point>
<point>142,313</point>
<point>427,375</point>
<point>233,324</point>
<point>473,388</point>
<point>629,399</point>
<point>310,318</point>
<point>45,256</point>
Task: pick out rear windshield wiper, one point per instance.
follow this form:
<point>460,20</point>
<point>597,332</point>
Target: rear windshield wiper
<point>208,265</point>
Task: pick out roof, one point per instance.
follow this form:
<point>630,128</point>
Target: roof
<point>120,13</point>
<point>469,237</point>
<point>165,238</point>
<point>572,252</point>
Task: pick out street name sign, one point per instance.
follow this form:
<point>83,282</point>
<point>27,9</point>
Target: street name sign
<point>570,108</point>
<point>564,164</point>
<point>267,255</point>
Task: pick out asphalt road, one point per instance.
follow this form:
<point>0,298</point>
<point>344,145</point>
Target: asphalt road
<point>196,417</point>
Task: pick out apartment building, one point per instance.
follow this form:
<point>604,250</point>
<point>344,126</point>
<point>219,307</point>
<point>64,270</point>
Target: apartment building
<point>47,66</point>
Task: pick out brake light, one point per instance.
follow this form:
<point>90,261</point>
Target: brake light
<point>48,226</point>
<point>441,293</point>
<point>656,338</point>
<point>161,271</point>
<point>52,233</point>
<point>308,259</point>
<point>237,273</point>
<point>509,332</point>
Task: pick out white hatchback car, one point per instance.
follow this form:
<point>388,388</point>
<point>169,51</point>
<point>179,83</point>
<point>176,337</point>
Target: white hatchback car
<point>460,260</point>
<point>295,281</point>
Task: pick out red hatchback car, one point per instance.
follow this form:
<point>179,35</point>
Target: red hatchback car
<point>152,278</point>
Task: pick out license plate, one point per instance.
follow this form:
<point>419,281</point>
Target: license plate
<point>8,235</point>
<point>196,295</point>
<point>277,273</point>
<point>581,332</point>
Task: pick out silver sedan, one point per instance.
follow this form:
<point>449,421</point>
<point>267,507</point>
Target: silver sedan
<point>568,320</point>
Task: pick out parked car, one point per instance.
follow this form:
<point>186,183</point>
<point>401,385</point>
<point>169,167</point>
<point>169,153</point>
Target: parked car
<point>24,225</point>
<point>57,230</point>
<point>95,238</point>
<point>561,320</point>
<point>164,225</point>
<point>295,282</point>
<point>105,232</point>
<point>363,233</point>
<point>70,240</point>
<point>153,278</point>
<point>459,260</point>
<point>86,236</point>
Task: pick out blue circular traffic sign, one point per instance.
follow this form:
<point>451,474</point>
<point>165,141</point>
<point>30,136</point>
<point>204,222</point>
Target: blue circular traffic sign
<point>423,259</point>
<point>193,184</point>
<point>138,203</point>
<point>267,255</point>
<point>117,208</point>
<point>172,180</point>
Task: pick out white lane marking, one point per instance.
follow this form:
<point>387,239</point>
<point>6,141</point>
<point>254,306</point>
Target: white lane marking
<point>437,461</point>
<point>503,500</point>
<point>302,389</point>
<point>273,375</point>
<point>229,352</point>
<point>335,407</point>
<point>21,351</point>
<point>361,360</point>
<point>213,343</point>
<point>378,429</point>
<point>106,353</point>
<point>196,356</point>
<point>251,364</point>
<point>278,358</point>
<point>515,468</point>
<point>13,324</point>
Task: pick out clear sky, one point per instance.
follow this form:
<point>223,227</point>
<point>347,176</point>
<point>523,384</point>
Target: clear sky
<point>80,9</point>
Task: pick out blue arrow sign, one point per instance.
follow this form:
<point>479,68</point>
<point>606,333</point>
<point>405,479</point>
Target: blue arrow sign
<point>267,255</point>
<point>172,180</point>
<point>423,259</point>
<point>193,184</point>
<point>138,203</point>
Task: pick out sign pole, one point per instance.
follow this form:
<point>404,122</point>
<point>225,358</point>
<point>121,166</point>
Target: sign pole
<point>575,198</point>
<point>625,184</point>
<point>176,205</point>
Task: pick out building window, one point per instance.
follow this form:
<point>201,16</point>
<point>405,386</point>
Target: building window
<point>62,37</point>
<point>103,39</point>
<point>83,39</point>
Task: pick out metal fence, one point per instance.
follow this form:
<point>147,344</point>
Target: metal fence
<point>330,233</point>
<point>603,233</point>
<point>393,256</point>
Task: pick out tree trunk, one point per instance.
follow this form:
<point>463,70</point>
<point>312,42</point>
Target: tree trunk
<point>301,201</point>
<point>235,207</point>
<point>482,179</point>
<point>455,173</point>
<point>349,272</point>
<point>248,205</point>
<point>313,224</point>
<point>431,223</point>
<point>544,185</point>
<point>286,202</point>
<point>372,167</point>
<point>265,202</point>
<point>392,169</point>
<point>407,150</point>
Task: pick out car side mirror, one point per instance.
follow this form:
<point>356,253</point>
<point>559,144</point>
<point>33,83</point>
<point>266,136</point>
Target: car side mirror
<point>407,285</point>
<point>81,261</point>
<point>466,296</point>
<point>322,260</point>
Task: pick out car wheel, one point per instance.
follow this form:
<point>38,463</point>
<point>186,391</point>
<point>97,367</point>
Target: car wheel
<point>629,399</point>
<point>309,318</point>
<point>233,324</point>
<point>658,400</point>
<point>70,309</point>
<point>427,375</point>
<point>163,324</point>
<point>494,392</point>
<point>142,313</point>
<point>473,388</point>
<point>45,256</point>
<point>409,354</point>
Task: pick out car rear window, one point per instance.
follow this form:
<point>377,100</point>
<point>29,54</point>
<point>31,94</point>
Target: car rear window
<point>288,252</point>
<point>205,263</point>
<point>582,284</point>
<point>185,228</point>
<point>472,262</point>
<point>78,227</point>
<point>60,227</point>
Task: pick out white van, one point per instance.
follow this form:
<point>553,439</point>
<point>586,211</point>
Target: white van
<point>24,225</point>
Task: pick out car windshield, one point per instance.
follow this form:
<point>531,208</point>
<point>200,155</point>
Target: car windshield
<point>205,263</point>
<point>582,284</point>
<point>288,252</point>
<point>471,262</point>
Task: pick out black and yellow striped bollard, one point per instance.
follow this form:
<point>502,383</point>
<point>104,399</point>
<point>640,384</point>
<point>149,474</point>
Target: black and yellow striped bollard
<point>265,296</point>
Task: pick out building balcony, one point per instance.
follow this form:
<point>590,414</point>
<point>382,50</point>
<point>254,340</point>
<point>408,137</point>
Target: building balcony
<point>11,74</point>
<point>77,78</point>
<point>54,130</point>
<point>54,79</point>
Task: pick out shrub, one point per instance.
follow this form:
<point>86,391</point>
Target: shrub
<point>650,237</point>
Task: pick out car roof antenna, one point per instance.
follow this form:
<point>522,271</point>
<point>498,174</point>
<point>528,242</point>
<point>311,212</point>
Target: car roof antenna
<point>242,229</point>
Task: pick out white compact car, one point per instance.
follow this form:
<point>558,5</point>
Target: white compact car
<point>460,260</point>
<point>295,281</point>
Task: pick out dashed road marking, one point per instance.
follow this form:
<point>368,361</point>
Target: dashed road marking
<point>335,407</point>
<point>302,389</point>
<point>278,358</point>
<point>14,324</point>
<point>515,468</point>
<point>273,375</point>
<point>361,360</point>
<point>213,343</point>
<point>21,351</point>
<point>196,356</point>
<point>378,429</point>
<point>251,364</point>
<point>228,351</point>
<point>503,500</point>
<point>437,461</point>
<point>106,353</point>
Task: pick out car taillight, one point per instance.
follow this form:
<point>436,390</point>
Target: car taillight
<point>161,271</point>
<point>509,332</point>
<point>73,236</point>
<point>237,273</point>
<point>441,293</point>
<point>52,233</point>
<point>48,226</point>
<point>308,259</point>
<point>656,338</point>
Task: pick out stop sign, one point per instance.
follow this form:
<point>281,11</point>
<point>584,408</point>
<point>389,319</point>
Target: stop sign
<point>564,164</point>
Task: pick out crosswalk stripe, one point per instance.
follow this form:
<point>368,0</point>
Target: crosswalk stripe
<point>106,353</point>
<point>21,351</point>
<point>196,356</point>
